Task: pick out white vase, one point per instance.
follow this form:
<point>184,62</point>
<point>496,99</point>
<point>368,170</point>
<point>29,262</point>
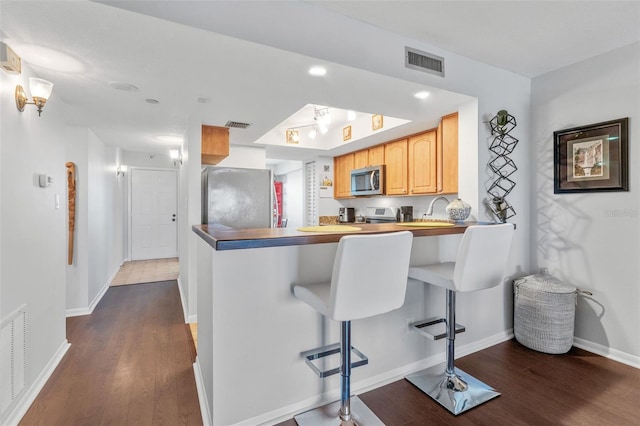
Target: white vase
<point>458,210</point>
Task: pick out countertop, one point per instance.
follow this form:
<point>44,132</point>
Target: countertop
<point>225,238</point>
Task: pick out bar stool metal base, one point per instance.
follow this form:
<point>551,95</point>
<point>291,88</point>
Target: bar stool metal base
<point>330,415</point>
<point>458,393</point>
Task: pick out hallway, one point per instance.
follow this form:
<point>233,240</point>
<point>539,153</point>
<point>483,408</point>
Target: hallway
<point>130,363</point>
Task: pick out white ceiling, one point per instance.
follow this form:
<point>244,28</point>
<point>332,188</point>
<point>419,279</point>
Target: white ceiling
<point>239,57</point>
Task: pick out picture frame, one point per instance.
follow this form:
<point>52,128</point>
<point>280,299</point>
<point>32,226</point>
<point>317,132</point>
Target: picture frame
<point>377,121</point>
<point>293,136</point>
<point>592,158</point>
<point>346,133</point>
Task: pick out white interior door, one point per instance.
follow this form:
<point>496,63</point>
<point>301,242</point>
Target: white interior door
<point>153,214</point>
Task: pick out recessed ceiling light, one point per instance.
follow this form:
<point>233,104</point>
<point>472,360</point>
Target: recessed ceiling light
<point>125,87</point>
<point>152,101</point>
<point>317,71</point>
<point>48,58</point>
<point>421,95</point>
<point>351,115</point>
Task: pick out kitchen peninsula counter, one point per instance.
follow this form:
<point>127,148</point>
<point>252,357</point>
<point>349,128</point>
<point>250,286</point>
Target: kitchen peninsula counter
<point>221,237</point>
<point>252,329</point>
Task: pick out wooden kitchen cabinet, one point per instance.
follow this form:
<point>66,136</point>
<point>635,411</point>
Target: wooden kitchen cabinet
<point>215,144</point>
<point>361,159</point>
<point>395,155</point>
<point>376,155</point>
<point>422,163</point>
<point>342,167</point>
<point>368,157</point>
<point>447,161</point>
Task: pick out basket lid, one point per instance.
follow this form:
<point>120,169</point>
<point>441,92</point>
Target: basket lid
<point>544,282</point>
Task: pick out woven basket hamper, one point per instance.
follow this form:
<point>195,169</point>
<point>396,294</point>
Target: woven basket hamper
<point>544,313</point>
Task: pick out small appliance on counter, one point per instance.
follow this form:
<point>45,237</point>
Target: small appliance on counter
<point>380,215</point>
<point>405,214</point>
<point>346,215</point>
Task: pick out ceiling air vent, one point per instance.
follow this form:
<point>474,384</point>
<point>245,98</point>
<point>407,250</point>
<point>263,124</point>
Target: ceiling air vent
<point>237,124</point>
<point>423,61</point>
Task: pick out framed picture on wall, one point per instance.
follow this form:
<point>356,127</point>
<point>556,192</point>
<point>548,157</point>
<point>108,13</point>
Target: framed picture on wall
<point>592,158</point>
<point>346,133</point>
<point>377,121</point>
<point>326,181</point>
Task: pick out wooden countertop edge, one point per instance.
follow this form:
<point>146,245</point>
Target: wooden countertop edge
<point>225,238</point>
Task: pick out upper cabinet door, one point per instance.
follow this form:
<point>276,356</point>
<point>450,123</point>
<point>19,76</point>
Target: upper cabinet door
<point>376,155</point>
<point>448,154</point>
<point>361,159</point>
<point>342,167</point>
<point>395,154</point>
<point>422,163</point>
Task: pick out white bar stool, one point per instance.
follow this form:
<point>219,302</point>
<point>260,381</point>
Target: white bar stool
<point>480,264</point>
<point>369,278</point>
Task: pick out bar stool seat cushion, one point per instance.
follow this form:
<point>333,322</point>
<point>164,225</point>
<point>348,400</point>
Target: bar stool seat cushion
<point>438,274</point>
<point>316,295</point>
<point>480,263</point>
<point>369,277</point>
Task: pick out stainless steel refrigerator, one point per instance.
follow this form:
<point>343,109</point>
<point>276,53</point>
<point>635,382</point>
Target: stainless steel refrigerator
<point>239,198</point>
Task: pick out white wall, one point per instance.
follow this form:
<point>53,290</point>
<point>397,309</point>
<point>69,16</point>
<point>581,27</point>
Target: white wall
<point>147,159</point>
<point>34,238</point>
<point>591,240</point>
<point>77,276</point>
<point>247,157</point>
<point>99,232</point>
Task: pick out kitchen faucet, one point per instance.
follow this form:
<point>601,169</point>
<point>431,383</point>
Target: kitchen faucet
<point>430,209</point>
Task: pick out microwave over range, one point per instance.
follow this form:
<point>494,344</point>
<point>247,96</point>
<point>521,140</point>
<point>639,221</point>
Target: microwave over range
<point>367,181</point>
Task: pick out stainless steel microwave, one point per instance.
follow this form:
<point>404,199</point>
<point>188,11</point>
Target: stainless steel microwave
<point>367,181</point>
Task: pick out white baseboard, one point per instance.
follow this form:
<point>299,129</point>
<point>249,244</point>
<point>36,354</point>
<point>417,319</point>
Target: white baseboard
<point>362,386</point>
<point>21,406</point>
<point>182,302</point>
<point>202,395</point>
<point>189,319</point>
<point>76,312</point>
<point>613,354</point>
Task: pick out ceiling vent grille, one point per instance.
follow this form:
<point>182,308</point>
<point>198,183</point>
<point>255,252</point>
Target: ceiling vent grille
<point>237,124</point>
<point>423,61</point>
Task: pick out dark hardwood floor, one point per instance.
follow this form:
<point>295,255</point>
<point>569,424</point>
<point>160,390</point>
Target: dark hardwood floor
<point>130,363</point>
<point>578,388</point>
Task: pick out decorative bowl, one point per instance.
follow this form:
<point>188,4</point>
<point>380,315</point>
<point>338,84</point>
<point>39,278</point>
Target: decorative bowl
<point>458,209</point>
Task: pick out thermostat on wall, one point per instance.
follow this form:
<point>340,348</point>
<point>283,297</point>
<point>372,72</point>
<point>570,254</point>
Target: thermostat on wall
<point>44,180</point>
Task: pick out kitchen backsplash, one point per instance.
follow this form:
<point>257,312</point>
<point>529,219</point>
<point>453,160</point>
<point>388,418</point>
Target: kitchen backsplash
<point>420,204</point>
<point>328,220</point>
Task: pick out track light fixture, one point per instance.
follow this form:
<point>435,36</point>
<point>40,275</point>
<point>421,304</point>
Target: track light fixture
<point>321,118</point>
<point>40,91</point>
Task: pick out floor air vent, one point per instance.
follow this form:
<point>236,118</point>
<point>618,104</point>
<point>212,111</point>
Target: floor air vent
<point>237,124</point>
<point>423,61</point>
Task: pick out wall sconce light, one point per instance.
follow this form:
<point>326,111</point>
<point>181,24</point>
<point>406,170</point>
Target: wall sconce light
<point>40,91</point>
<point>174,154</point>
<point>122,169</point>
